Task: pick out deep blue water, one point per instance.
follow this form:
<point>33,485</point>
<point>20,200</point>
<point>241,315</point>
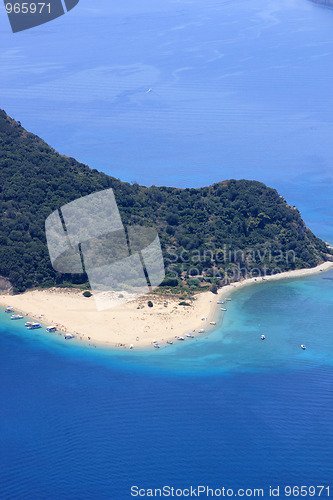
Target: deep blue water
<point>229,410</point>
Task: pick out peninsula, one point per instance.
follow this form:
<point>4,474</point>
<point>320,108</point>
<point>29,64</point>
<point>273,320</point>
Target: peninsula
<point>213,238</point>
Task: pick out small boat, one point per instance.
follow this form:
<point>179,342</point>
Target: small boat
<point>180,338</point>
<point>303,347</point>
<point>51,329</point>
<point>223,309</point>
<point>156,345</point>
<point>202,330</point>
<point>220,302</point>
<point>262,337</point>
<point>16,316</point>
<point>228,299</point>
<point>34,326</point>
<point>28,323</point>
<point>9,309</point>
<point>169,342</point>
<point>190,335</point>
<point>131,346</point>
<point>212,323</point>
<point>69,336</point>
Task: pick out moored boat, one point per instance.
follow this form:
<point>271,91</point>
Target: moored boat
<point>34,326</point>
<point>69,336</point>
<point>9,309</point>
<point>51,329</point>
<point>16,316</point>
<point>212,323</point>
<point>190,335</point>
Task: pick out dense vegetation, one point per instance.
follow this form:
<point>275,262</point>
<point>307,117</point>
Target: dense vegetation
<point>232,225</point>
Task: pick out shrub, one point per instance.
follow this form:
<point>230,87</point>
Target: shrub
<point>169,282</point>
<point>150,304</point>
<point>87,293</point>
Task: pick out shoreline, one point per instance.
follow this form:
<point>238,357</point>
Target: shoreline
<point>68,304</point>
<point>133,322</point>
<point>297,273</point>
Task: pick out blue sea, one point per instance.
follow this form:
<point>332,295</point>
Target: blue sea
<point>228,410</point>
<point>239,89</point>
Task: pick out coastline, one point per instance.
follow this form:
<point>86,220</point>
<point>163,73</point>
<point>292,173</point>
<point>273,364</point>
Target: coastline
<point>134,322</point>
<point>298,273</point>
<point>131,323</point>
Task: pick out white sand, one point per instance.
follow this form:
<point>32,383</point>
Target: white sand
<point>227,290</point>
<point>132,323</point>
<point>124,324</point>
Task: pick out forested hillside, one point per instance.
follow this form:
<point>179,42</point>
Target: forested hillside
<point>200,229</point>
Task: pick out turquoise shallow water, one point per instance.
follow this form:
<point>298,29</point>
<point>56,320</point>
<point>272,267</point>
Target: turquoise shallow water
<point>289,313</point>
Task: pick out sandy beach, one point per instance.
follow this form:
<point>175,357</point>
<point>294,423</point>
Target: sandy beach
<point>298,273</point>
<point>131,323</point>
<point>134,322</point>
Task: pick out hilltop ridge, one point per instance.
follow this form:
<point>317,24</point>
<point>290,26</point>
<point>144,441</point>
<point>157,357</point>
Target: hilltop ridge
<point>231,224</point>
